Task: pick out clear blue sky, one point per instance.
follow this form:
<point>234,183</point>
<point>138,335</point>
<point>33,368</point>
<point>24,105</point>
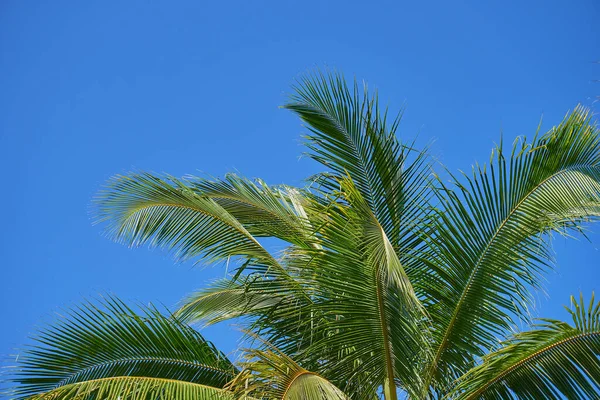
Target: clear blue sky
<point>94,88</point>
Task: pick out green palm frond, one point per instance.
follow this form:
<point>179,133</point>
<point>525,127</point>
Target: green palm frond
<point>227,299</point>
<point>371,314</point>
<point>487,247</point>
<point>166,212</point>
<point>135,388</point>
<point>554,361</point>
<point>181,216</point>
<point>94,347</point>
<point>263,210</point>
<point>270,374</point>
<point>351,135</point>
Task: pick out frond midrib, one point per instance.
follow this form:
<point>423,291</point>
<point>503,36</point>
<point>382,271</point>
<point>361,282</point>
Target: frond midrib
<point>148,378</point>
<point>65,381</point>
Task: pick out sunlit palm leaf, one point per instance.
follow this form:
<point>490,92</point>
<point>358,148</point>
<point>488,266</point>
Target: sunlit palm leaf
<point>135,388</point>
<point>270,374</point>
<point>554,361</point>
<point>486,250</point>
<point>227,299</point>
<point>263,210</point>
<point>142,208</point>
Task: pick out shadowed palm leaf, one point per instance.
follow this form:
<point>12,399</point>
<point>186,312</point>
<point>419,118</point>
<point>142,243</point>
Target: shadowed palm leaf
<point>108,351</point>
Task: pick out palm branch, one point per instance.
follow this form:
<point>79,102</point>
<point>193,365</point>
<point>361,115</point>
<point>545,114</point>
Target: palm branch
<point>555,360</point>
<point>489,243</point>
<point>107,351</point>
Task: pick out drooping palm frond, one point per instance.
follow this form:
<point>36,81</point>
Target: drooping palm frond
<point>487,247</point>
<point>181,216</point>
<point>264,211</point>
<point>142,208</point>
<point>267,307</point>
<point>108,351</point>
<point>553,361</point>
<point>227,299</point>
<point>270,374</point>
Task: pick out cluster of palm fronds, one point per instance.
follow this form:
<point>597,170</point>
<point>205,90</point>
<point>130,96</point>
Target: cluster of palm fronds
<point>394,281</point>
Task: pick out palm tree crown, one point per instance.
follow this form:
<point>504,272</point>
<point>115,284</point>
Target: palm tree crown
<point>394,282</point>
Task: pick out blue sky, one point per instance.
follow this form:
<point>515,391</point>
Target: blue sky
<point>91,88</point>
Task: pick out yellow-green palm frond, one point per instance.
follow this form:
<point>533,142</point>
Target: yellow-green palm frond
<point>135,388</point>
<point>270,374</point>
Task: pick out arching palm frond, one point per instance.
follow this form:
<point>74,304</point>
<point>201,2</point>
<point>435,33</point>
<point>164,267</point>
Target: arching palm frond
<point>110,352</point>
<point>263,210</point>
<point>487,247</point>
<point>135,388</point>
<point>227,299</point>
<point>554,361</point>
<point>142,208</point>
<point>270,374</point>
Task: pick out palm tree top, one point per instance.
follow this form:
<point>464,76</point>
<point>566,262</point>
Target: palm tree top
<point>393,280</point>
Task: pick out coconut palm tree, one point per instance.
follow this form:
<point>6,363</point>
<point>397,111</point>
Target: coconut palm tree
<point>395,282</point>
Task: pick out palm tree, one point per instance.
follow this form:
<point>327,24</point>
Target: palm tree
<point>394,281</point>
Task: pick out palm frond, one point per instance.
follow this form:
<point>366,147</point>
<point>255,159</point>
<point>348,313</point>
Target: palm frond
<point>487,247</point>
<point>135,388</point>
<point>227,299</point>
<point>351,135</point>
<point>181,216</point>
<point>166,212</point>
<point>263,210</point>
<point>553,361</point>
<point>270,374</point>
<point>95,343</point>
